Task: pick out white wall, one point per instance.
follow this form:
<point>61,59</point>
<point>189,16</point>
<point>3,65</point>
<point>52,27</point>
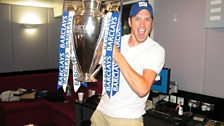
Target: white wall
<point>22,50</point>
<point>193,52</point>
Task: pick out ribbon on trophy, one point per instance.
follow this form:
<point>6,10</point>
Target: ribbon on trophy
<point>75,68</point>
<point>66,53</point>
<point>64,50</point>
<point>112,35</point>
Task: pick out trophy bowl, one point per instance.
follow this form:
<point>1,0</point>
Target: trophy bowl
<point>88,42</point>
<point>86,30</point>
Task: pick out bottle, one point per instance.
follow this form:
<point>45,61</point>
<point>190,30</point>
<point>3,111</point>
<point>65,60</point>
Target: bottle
<point>180,111</point>
<point>68,90</point>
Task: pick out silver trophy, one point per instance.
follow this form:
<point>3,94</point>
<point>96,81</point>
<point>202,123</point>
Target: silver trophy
<point>87,26</point>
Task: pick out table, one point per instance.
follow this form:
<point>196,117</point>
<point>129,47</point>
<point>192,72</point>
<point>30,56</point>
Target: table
<point>85,110</point>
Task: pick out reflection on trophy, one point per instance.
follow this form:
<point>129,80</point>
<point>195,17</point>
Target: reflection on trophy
<point>88,46</point>
<point>86,30</point>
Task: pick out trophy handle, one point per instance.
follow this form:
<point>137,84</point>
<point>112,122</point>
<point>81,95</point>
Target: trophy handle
<point>99,47</point>
<point>87,58</point>
<point>96,71</point>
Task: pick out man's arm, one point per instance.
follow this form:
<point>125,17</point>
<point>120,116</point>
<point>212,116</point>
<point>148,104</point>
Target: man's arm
<point>139,84</point>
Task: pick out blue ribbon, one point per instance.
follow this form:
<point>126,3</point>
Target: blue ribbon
<point>64,55</point>
<point>116,69</point>
<point>65,42</point>
<point>111,72</point>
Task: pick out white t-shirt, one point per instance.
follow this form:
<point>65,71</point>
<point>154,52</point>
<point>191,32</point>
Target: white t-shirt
<point>125,103</point>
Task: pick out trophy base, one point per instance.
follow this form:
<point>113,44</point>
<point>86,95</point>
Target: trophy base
<point>86,78</point>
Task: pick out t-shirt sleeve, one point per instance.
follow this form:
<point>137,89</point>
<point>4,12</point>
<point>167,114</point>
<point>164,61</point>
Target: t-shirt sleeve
<point>155,59</point>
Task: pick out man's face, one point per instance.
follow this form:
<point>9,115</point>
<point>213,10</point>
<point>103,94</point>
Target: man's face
<point>141,25</point>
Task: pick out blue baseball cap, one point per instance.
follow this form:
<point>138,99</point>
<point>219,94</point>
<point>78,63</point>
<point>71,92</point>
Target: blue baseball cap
<point>138,6</point>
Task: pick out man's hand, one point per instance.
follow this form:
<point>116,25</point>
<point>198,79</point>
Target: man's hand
<point>115,52</point>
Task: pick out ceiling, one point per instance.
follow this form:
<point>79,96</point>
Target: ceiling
<point>36,3</point>
<point>57,5</point>
<point>46,3</point>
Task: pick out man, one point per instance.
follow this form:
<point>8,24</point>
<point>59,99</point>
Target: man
<point>140,60</point>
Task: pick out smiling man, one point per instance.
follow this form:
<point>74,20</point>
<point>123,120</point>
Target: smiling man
<point>140,60</point>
